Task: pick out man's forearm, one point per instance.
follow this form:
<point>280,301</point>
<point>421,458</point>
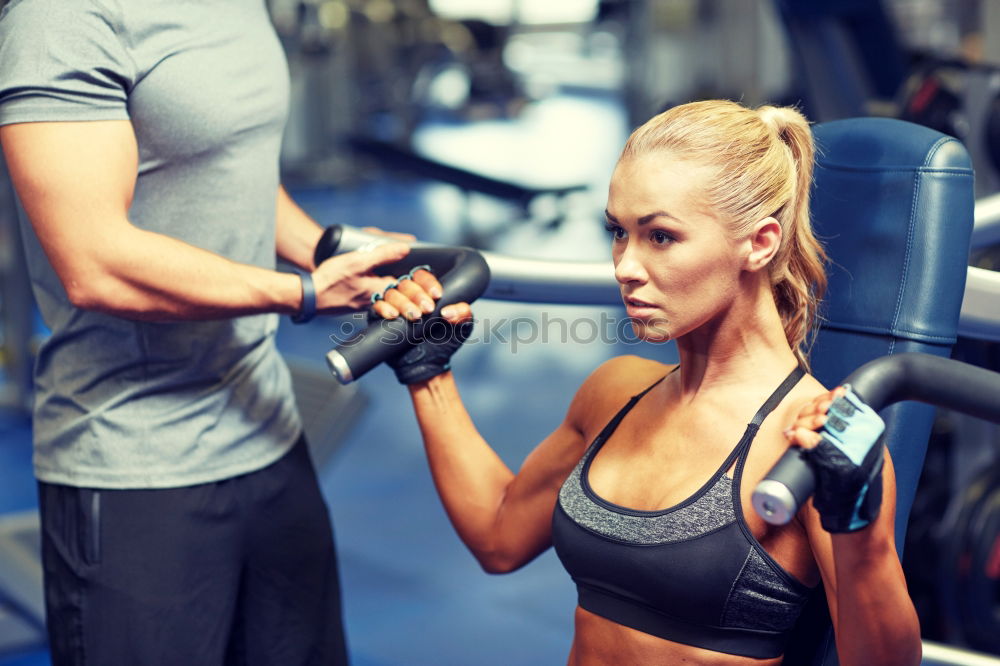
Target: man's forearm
<point>296,234</point>
<point>150,276</point>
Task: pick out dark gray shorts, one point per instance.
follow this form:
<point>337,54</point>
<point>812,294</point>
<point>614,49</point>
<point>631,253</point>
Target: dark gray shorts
<point>239,571</point>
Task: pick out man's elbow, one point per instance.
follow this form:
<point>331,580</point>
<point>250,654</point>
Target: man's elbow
<point>83,294</point>
<point>97,293</point>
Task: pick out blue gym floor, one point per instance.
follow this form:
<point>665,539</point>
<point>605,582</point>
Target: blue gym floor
<point>412,593</point>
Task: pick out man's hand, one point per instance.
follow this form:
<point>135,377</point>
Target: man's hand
<point>348,282</point>
<point>395,235</point>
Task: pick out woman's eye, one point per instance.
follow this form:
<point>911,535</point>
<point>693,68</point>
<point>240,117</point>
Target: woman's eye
<point>660,237</point>
<point>616,232</point>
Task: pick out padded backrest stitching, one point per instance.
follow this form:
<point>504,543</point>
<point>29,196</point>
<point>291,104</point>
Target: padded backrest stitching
<point>917,180</point>
<point>945,171</point>
<point>915,336</point>
<point>933,149</point>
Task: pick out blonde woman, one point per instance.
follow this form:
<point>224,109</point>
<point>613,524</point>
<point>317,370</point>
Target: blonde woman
<point>644,488</point>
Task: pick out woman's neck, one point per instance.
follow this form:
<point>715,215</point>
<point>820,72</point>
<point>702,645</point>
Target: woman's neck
<point>745,344</point>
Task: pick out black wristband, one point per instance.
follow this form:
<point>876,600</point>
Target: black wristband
<point>308,309</point>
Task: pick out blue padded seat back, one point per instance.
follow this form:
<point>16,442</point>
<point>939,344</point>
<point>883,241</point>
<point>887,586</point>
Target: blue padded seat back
<point>893,204</point>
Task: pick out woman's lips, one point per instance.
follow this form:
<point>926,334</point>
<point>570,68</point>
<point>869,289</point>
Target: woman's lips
<point>638,308</point>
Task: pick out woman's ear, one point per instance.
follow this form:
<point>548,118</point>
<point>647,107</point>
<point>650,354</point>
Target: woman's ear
<point>764,240</point>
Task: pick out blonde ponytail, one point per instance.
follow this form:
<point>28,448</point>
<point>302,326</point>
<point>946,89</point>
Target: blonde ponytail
<point>798,277</point>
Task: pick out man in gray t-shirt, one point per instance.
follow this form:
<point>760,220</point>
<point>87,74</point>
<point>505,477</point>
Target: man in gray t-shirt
<point>142,139</point>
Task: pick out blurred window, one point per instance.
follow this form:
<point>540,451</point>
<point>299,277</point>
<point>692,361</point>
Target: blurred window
<point>505,12</point>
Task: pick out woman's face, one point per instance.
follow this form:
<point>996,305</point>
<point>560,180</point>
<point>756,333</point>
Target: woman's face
<point>675,261</point>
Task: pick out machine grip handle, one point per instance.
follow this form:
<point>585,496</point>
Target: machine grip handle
<point>886,380</point>
<point>462,272</point>
<point>786,487</point>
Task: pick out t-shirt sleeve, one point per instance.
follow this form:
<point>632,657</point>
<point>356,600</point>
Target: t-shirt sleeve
<point>61,60</point>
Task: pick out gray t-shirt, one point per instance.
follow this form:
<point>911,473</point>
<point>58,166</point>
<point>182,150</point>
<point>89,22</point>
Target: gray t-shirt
<point>129,404</point>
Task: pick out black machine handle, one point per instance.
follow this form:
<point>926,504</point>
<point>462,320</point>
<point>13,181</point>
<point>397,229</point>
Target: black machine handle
<point>462,272</point>
<point>938,381</point>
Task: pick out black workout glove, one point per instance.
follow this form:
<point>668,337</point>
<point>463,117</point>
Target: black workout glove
<point>848,466</point>
<point>432,355</point>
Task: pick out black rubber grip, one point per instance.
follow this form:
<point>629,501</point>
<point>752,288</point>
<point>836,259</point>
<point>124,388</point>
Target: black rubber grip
<point>938,381</point>
<point>463,274</point>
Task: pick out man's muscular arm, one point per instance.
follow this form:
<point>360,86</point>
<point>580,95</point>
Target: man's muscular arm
<point>76,181</point>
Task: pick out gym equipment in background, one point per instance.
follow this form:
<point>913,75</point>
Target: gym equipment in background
<point>368,73</point>
<point>403,157</point>
<point>22,602</point>
<point>850,61</point>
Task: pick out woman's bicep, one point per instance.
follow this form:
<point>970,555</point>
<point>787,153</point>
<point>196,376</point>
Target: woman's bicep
<point>524,520</point>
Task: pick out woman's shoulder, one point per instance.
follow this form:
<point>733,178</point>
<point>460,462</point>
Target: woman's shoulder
<point>629,373</point>
<point>613,383</point>
<point>626,375</point>
<point>804,391</point>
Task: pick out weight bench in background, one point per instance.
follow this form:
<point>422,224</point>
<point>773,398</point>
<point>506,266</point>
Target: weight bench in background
<point>405,159</point>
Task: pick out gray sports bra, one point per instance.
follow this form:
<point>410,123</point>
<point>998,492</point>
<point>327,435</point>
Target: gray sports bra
<point>693,573</point>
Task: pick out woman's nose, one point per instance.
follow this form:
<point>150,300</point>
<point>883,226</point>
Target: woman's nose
<point>628,266</point>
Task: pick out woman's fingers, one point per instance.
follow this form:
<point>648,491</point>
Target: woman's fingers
<point>413,295</point>
<point>384,310</point>
<point>456,313</point>
<point>807,438</point>
<point>812,417</point>
<point>426,280</point>
<point>416,294</point>
<point>397,299</point>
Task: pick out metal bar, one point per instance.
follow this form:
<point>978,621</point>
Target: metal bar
<point>937,654</point>
<point>980,316</point>
<point>593,283</point>
<point>986,229</point>
<point>546,281</point>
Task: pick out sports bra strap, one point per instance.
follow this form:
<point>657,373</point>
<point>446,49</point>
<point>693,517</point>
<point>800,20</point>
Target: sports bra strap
<point>613,423</point>
<point>779,394</point>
